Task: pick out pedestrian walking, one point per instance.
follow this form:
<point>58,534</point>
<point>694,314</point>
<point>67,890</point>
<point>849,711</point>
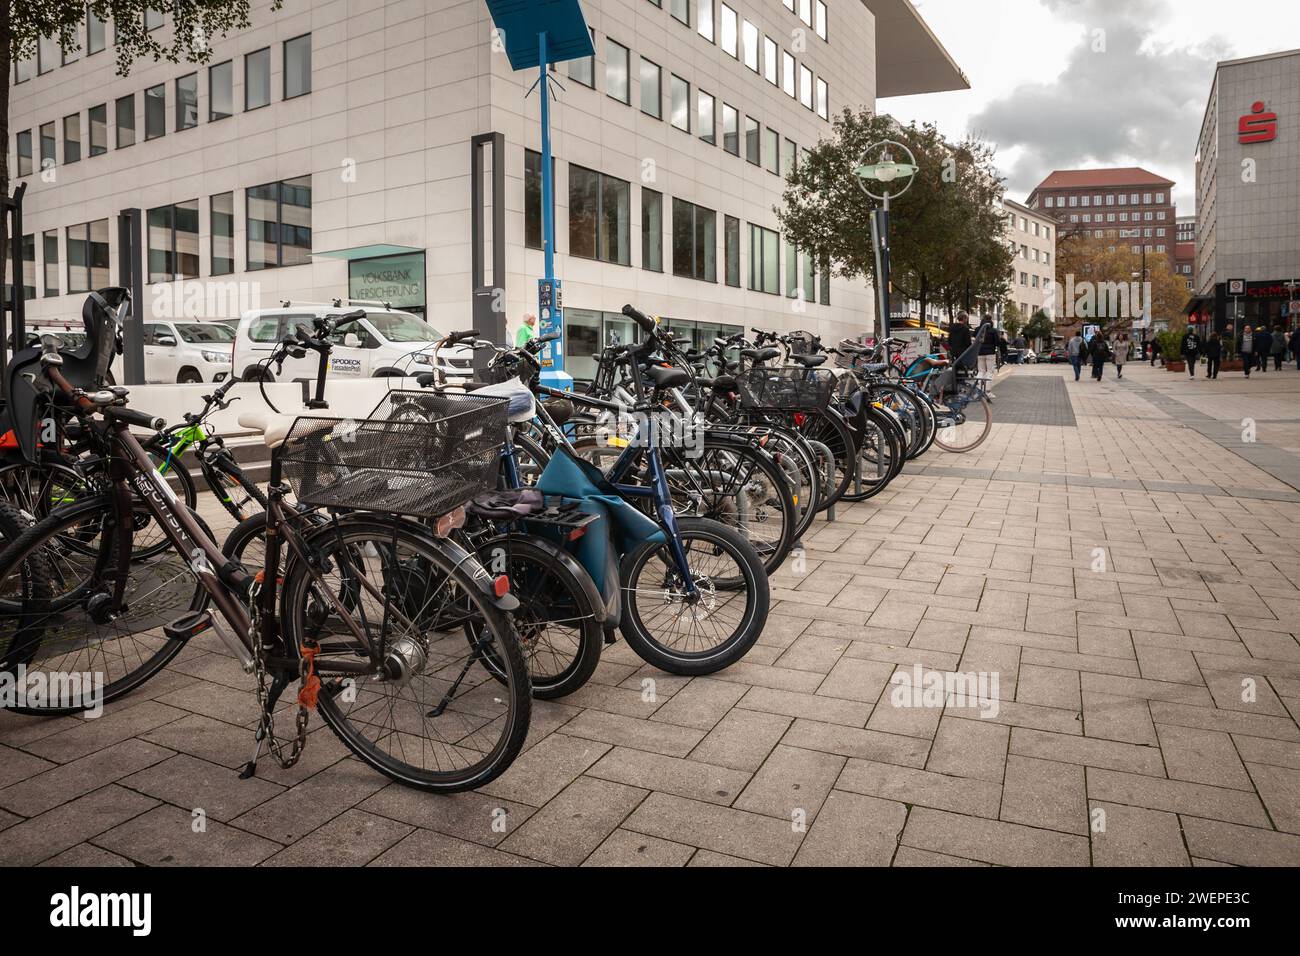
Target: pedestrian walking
<point>1295,346</point>
<point>527,332</point>
<point>1099,350</point>
<point>1263,346</point>
<point>1280,347</point>
<point>988,360</point>
<point>1191,350</point>
<point>1153,347</point>
<point>959,338</point>
<point>1121,355</point>
<point>1247,349</point>
<point>1213,356</point>
<point>1077,350</point>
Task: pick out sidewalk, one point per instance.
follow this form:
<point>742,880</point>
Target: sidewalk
<point>1130,578</point>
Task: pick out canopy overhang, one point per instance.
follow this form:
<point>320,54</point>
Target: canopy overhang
<point>909,57</point>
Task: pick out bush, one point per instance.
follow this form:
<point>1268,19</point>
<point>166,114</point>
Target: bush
<point>1171,344</point>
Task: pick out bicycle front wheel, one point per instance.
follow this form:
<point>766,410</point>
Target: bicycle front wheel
<point>964,422</point>
<point>704,633</point>
<point>447,709</point>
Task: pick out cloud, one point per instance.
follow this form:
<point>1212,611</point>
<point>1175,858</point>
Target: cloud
<point>1124,99</point>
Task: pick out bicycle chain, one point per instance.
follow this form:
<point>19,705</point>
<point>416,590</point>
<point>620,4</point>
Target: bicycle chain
<point>266,721</point>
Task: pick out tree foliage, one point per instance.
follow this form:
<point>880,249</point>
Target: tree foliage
<point>1040,327</point>
<point>947,240</point>
<point>1084,259</point>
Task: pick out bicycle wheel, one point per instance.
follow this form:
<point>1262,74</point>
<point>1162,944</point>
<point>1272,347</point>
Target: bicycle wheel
<point>556,620</point>
<point>965,420</point>
<point>797,460</point>
<point>691,637</point>
<point>738,485</point>
<point>435,716</point>
<point>67,626</point>
<point>880,455</point>
<point>829,429</point>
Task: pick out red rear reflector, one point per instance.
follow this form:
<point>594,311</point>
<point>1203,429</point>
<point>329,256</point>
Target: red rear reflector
<point>8,441</point>
<point>577,533</point>
<point>501,586</point>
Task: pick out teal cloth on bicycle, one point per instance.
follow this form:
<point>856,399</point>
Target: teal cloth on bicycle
<point>568,476</point>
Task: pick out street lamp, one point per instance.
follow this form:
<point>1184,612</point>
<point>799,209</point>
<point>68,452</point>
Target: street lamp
<point>878,166</point>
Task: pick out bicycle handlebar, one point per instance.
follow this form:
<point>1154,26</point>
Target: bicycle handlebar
<point>640,318</point>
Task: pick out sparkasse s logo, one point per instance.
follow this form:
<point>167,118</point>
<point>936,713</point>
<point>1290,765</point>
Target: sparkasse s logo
<point>1258,126</point>
<point>75,909</point>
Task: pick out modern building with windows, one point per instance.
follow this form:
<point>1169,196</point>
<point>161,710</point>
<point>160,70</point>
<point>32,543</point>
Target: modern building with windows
<point>1248,194</point>
<point>388,151</point>
<point>1131,206</point>
<point>1032,238</point>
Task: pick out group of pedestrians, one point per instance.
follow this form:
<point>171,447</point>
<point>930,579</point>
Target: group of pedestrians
<point>1097,352</point>
<point>1257,348</point>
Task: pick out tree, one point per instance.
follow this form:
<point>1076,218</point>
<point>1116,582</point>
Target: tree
<point>1100,282</point>
<point>24,22</point>
<point>946,238</point>
<point>1012,321</point>
<point>1040,328</point>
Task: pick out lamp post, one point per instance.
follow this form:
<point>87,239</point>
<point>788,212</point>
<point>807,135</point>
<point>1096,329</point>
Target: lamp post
<point>878,166</point>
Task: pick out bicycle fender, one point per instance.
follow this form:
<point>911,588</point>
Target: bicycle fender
<point>568,561</point>
<point>483,580</point>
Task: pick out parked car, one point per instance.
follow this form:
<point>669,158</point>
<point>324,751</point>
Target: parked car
<point>1055,356</point>
<point>187,352</point>
<point>387,342</point>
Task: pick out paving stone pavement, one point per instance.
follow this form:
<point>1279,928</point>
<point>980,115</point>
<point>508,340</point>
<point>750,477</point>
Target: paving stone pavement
<point>1132,582</point>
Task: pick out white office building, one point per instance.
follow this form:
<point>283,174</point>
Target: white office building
<point>386,150</point>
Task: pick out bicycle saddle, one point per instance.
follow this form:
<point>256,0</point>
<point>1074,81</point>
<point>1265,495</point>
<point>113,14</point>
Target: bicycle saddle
<point>761,355</point>
<point>669,377</point>
<point>809,361</point>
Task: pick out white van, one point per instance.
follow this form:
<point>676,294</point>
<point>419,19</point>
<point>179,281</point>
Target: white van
<point>387,342</point>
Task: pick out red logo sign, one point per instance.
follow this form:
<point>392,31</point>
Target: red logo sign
<point>1259,127</point>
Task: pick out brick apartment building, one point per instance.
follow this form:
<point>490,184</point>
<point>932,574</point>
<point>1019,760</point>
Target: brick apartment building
<point>1130,205</point>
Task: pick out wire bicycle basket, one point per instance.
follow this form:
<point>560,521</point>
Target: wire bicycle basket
<point>786,389</point>
<point>419,454</point>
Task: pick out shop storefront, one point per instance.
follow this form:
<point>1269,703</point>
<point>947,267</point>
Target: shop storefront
<point>1266,304</point>
<point>398,281</point>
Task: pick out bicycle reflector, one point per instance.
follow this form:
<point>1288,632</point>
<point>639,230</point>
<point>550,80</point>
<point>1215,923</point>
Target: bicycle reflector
<point>501,586</point>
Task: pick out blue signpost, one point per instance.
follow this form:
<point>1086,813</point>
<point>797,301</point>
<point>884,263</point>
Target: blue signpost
<point>537,33</point>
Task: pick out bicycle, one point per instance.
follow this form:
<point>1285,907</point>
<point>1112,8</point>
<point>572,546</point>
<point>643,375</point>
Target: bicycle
<point>388,629</point>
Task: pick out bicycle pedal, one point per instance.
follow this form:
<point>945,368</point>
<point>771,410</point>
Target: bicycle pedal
<point>188,626</point>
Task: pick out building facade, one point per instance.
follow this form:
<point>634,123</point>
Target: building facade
<point>1130,206</point>
<point>1032,238</point>
<point>388,151</point>
<point>1248,194</point>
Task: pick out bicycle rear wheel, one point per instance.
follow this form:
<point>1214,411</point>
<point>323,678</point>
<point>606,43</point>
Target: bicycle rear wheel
<point>449,707</point>
<point>965,420</point>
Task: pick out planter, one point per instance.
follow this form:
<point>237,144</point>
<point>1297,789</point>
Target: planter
<point>1236,365</point>
<point>1175,365</point>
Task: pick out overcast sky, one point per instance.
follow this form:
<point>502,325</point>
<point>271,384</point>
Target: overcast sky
<point>1048,101</point>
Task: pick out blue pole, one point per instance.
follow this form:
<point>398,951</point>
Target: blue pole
<point>550,307</point>
<point>548,184</point>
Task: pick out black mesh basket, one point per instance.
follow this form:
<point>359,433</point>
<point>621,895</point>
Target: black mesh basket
<point>804,343</point>
<point>850,360</point>
<point>786,389</point>
<point>419,454</point>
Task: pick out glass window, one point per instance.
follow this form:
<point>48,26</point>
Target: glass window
<point>71,139</point>
<point>705,119</point>
<point>819,19</point>
<point>788,153</point>
<point>752,144</point>
<point>257,79</point>
<point>582,342</point>
<point>805,86</point>
<point>731,249</point>
<point>730,34</point>
<point>153,19</point>
<point>73,55</point>
<point>50,244</point>
<point>88,256</point>
<point>187,102</point>
<point>124,110</point>
<point>47,54</point>
<point>48,143</point>
<point>583,69</point>
<point>155,112</point>
<point>98,128</point>
<point>749,43</point>
<point>533,225</point>
<point>223,234</point>
<point>616,67</point>
<point>600,214</point>
<point>25,163</point>
<point>764,260</point>
<point>771,66</point>
<point>221,91</point>
<point>297,66</point>
<point>680,100</point>
<point>95,34</point>
<point>805,11</point>
<point>809,278</point>
<point>24,69</point>
<point>704,18</point>
<point>28,248</point>
<point>791,270</point>
<point>695,241</point>
<point>772,151</point>
<point>787,74</point>
<point>823,99</point>
<point>652,230</point>
<point>651,89</point>
<point>730,130</point>
<point>279,224</point>
<point>174,242</point>
<point>681,10</point>
<point>825,275</point>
